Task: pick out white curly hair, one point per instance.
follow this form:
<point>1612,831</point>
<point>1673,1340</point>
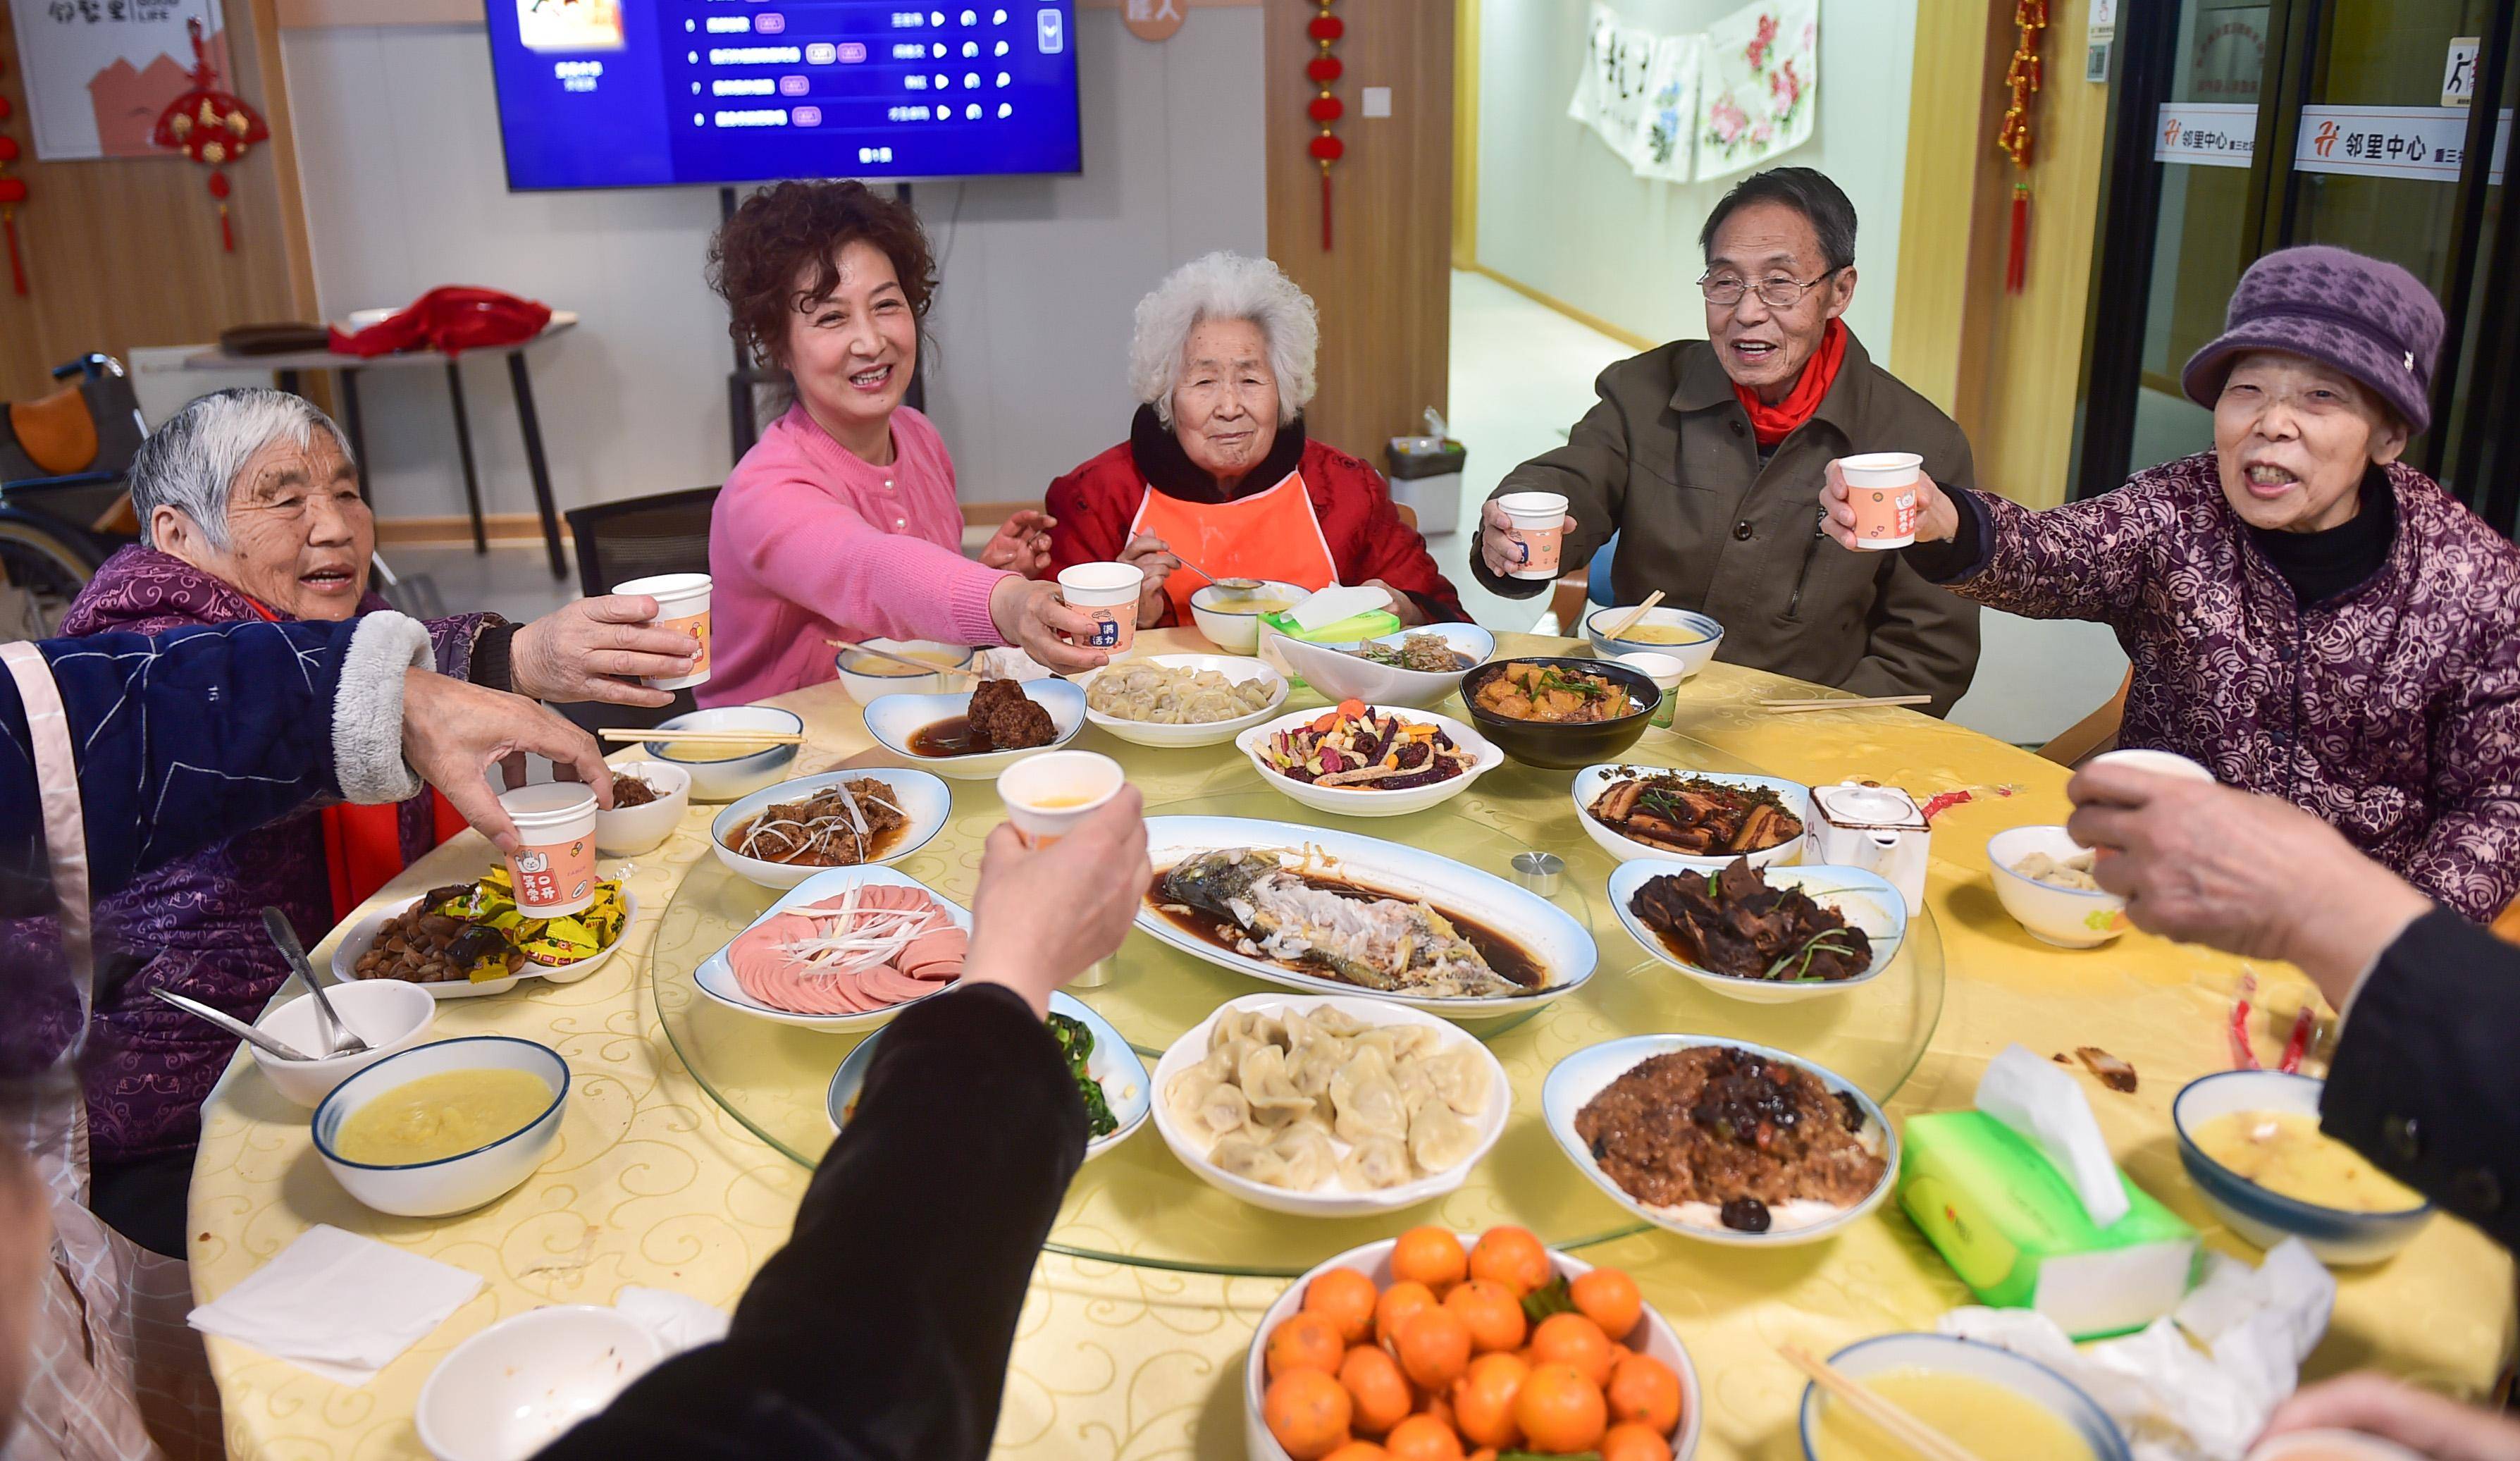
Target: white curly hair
<point>1225,286</point>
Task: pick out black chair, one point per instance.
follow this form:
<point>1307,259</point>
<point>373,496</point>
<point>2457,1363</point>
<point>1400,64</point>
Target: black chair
<point>618,541</point>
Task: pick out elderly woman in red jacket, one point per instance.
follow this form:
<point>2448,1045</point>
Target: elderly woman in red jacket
<point>1217,470</point>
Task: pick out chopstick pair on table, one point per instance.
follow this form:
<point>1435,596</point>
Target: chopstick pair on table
<point>1894,1422</point>
<point>1842,703</point>
<point>732,736</point>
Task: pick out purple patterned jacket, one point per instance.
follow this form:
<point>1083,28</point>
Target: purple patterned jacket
<point>195,925</point>
<point>2392,711</point>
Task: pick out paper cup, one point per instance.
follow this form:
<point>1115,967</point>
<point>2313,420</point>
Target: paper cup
<point>555,871</point>
<point>1108,594</point>
<point>682,603</point>
<point>1535,529</point>
<point>1666,671</point>
<point>1881,488</point>
<point>1048,795</point>
<point>2158,763</point>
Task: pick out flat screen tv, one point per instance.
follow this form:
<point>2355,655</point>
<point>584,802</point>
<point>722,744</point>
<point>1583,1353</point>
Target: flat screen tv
<point>648,93</point>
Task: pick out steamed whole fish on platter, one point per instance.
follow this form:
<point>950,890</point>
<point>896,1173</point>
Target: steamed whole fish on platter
<point>1311,921</point>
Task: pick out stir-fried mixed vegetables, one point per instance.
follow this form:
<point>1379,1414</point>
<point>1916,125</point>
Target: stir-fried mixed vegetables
<point>1358,746</point>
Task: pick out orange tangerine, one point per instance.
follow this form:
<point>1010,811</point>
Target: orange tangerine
<point>1608,1298</point>
<point>1305,1341</point>
<point>1644,1390</point>
<point>1495,1316</point>
<point>1422,1437</point>
<point>1397,1304</point>
<point>1430,1256</point>
<point>1308,1412</point>
<point>1483,1402</point>
<point>1374,1383</point>
<point>1346,1297</point>
<point>1434,1346</point>
<point>1511,1256</point>
<point>1630,1442</point>
<point>1559,1410</point>
<point>1359,1450</point>
<point>1572,1340</point>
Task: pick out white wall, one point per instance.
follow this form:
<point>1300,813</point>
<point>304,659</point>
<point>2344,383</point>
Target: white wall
<point>1560,213</point>
<point>1032,319</point>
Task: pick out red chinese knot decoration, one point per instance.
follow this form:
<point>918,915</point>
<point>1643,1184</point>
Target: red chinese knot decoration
<point>2021,78</point>
<point>13,192</point>
<point>210,126</point>
<point>1325,110</point>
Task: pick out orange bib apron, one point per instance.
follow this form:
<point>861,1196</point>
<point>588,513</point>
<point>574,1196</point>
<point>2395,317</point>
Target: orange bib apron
<point>1270,535</point>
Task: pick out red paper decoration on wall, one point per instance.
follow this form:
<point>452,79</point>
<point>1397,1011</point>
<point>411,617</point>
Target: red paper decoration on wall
<point>13,192</point>
<point>210,126</point>
<point>1325,29</point>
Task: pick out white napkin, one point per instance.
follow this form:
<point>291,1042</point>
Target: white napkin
<point>2041,1103</point>
<point>681,1322</point>
<point>338,1305</point>
<point>1333,604</point>
<point>2175,1400</point>
<point>1009,663</point>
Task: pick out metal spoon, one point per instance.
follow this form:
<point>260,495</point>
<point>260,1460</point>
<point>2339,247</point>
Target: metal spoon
<point>271,1045</point>
<point>337,1036</point>
<point>1231,588</point>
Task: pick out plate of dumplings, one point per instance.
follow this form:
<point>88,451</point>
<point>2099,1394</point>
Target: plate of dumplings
<point>1329,1106</point>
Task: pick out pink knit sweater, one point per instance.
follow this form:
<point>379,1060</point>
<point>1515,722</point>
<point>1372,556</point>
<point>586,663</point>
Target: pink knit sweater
<point>810,542</point>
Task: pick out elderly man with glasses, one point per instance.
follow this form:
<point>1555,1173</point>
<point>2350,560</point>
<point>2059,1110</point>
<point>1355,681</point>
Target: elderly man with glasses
<point>1705,457</point>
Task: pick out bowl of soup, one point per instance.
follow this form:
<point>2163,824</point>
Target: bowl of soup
<point>1232,621</point>
<point>2251,1143</point>
<point>1991,1402</point>
<point>1691,638</point>
<point>868,677</point>
<point>723,770</point>
<point>443,1128</point>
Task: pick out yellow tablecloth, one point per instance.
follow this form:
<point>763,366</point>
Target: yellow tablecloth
<point>654,1184</point>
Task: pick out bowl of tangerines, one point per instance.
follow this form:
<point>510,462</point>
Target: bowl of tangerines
<point>1434,1346</point>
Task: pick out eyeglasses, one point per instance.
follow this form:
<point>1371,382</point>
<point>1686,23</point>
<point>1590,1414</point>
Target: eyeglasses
<point>1777,290</point>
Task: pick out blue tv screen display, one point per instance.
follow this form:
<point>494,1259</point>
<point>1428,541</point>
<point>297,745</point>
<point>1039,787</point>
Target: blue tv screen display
<point>648,93</point>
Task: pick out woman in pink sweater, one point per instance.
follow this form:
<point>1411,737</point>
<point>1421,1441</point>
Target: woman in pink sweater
<point>841,522</point>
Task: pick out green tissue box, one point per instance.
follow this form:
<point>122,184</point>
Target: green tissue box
<point>2013,1228</point>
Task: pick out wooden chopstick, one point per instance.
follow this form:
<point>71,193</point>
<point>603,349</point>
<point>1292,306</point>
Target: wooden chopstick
<point>1620,629</point>
<point>1901,1427</point>
<point>1796,707</point>
<point>712,737</point>
<point>921,665</point>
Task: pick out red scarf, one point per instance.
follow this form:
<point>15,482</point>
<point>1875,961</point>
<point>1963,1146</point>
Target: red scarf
<point>1774,424</point>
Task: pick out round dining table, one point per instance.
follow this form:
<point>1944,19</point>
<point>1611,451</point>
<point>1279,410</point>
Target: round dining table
<point>690,1130</point>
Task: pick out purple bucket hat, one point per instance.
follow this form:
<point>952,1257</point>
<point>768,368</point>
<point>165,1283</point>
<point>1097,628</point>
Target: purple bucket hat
<point>2367,317</point>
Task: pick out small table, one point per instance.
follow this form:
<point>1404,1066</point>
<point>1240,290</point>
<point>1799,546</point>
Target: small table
<point>288,366</point>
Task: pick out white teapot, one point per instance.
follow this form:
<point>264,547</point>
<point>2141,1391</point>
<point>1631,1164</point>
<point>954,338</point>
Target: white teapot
<point>1878,829</point>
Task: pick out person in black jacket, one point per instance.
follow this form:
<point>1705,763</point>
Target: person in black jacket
<point>883,1329</point>
<point>2423,1082</point>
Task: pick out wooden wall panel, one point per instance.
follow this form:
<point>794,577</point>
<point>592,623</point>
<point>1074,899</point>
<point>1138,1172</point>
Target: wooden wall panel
<point>1384,287</point>
<point>125,251</point>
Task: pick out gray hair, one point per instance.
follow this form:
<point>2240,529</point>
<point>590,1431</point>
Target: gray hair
<point>190,462</point>
<point>1225,286</point>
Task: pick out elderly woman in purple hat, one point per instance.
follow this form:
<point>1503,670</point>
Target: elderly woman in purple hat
<point>2308,616</point>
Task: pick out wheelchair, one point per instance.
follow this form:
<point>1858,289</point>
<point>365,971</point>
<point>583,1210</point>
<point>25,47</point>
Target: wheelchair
<point>65,459</point>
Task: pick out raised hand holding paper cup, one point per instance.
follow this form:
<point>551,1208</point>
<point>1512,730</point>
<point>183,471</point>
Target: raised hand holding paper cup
<point>1108,594</point>
<point>683,604</point>
<point>1882,500</point>
<point>1528,542</point>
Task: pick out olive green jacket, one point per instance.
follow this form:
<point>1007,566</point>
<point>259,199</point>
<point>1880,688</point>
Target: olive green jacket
<point>1667,461</point>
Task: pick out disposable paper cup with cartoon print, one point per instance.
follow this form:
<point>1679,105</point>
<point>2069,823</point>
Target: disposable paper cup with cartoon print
<point>1535,531</point>
<point>1881,488</point>
<point>1047,796</point>
<point>1666,671</point>
<point>683,604</point>
<point>554,872</point>
<point>2158,763</point>
<point>1108,594</point>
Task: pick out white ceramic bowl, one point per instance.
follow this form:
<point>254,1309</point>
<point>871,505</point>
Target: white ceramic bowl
<point>1592,780</point>
<point>1576,1080</point>
<point>2337,1237</point>
<point>1112,1065</point>
<point>388,1014</point>
<point>724,778</point>
<point>1559,944</point>
<point>927,802</point>
<point>716,978</point>
<point>1331,1200</point>
<point>1231,627</point>
<point>362,937</point>
<point>1655,1338</point>
<point>451,1184</point>
<point>628,831</point>
<point>1364,801</point>
<point>1863,898</point>
<point>1238,668</point>
<point>1692,656</point>
<point>1947,1354</point>
<point>510,1389</point>
<point>895,718</point>
<point>2067,917</point>
<point>866,689</point>
<point>1340,675</point>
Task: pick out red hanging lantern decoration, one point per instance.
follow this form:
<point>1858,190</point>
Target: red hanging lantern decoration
<point>2022,80</point>
<point>210,126</point>
<point>1325,110</point>
<point>13,192</point>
